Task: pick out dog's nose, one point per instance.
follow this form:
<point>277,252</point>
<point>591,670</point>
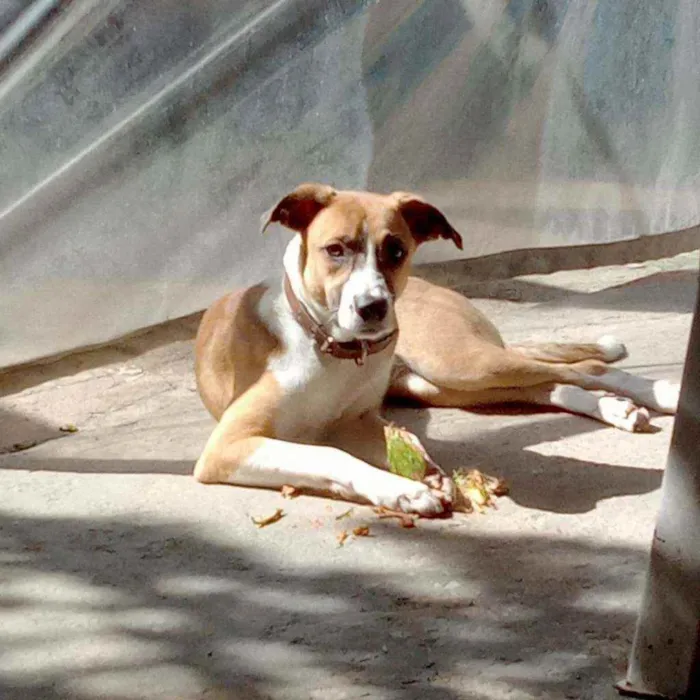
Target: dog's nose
<point>372,310</point>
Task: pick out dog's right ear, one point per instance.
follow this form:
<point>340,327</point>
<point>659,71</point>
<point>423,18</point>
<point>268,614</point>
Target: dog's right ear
<point>298,209</point>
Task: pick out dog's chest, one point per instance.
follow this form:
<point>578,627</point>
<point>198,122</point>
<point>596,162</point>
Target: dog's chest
<point>319,391</point>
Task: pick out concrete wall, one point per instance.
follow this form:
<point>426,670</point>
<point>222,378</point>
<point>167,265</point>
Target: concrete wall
<point>140,142</point>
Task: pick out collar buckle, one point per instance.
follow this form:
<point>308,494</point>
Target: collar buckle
<point>364,351</point>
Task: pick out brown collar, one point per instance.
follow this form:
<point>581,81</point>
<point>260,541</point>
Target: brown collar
<point>357,350</point>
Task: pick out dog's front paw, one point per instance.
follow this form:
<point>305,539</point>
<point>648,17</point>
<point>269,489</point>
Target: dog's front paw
<point>440,483</point>
<point>434,477</point>
<point>408,496</point>
<point>423,500</point>
<point>624,414</point>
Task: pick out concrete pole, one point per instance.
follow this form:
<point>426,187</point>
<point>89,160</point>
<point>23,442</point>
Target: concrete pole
<point>665,659</point>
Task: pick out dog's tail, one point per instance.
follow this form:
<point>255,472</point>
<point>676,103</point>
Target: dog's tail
<point>607,349</point>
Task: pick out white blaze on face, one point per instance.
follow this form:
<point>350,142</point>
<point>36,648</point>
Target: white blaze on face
<point>365,283</point>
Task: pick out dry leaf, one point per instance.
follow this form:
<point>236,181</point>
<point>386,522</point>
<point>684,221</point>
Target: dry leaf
<point>264,522</point>
<point>405,455</point>
<point>26,445</point>
<point>361,531</point>
<point>500,488</point>
<point>345,514</point>
<point>406,520</point>
<point>476,491</point>
<point>341,537</point>
<point>289,492</point>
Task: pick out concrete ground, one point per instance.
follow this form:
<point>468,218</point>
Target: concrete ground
<point>124,579</point>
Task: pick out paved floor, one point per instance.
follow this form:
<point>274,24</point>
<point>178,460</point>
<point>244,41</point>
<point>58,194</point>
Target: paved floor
<point>124,579</point>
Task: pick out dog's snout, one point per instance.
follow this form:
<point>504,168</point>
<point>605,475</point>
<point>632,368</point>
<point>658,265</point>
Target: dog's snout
<point>372,309</point>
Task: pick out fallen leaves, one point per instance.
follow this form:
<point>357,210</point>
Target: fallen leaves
<point>24,445</point>
<point>345,514</point>
<point>477,491</point>
<point>34,547</point>
<point>406,520</point>
<point>269,520</point>
<point>289,492</point>
<point>359,531</point>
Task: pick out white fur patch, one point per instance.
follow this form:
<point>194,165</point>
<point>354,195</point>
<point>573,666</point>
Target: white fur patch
<point>612,348</point>
<point>623,414</point>
<point>364,282</point>
<point>667,394</point>
<point>659,395</point>
<point>317,390</point>
<point>277,463</point>
<point>613,410</point>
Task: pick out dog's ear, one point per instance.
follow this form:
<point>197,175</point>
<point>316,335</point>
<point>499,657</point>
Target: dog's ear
<point>426,222</point>
<point>298,209</point>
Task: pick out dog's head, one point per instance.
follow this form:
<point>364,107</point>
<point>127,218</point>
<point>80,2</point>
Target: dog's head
<point>356,250</point>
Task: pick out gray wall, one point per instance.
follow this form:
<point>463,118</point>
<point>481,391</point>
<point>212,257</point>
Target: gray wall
<point>140,142</point>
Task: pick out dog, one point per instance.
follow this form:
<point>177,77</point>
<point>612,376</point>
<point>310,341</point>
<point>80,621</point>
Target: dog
<point>295,371</point>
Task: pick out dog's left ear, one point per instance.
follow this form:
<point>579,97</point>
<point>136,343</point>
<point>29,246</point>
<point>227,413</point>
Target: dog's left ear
<point>298,209</point>
<point>426,222</point>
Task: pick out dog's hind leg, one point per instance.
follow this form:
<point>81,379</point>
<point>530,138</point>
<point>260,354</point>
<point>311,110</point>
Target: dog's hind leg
<point>613,410</point>
<point>616,411</point>
<point>481,366</point>
<point>658,394</point>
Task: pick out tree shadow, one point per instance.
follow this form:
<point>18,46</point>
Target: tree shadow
<point>112,608</point>
<point>547,482</point>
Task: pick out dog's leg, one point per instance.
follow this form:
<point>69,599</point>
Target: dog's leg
<point>365,438</point>
<point>614,410</point>
<point>260,461</point>
<point>492,368</point>
<point>619,412</point>
<point>658,394</point>
<point>504,368</point>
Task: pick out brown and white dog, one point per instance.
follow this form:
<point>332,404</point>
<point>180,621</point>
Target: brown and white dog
<point>295,372</point>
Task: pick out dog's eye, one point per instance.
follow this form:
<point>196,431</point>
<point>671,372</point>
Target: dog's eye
<point>335,250</point>
<point>394,251</point>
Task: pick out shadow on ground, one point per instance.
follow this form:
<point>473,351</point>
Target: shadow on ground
<point>156,611</point>
<point>662,292</point>
<point>546,482</point>
<point>19,432</point>
<point>16,379</point>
